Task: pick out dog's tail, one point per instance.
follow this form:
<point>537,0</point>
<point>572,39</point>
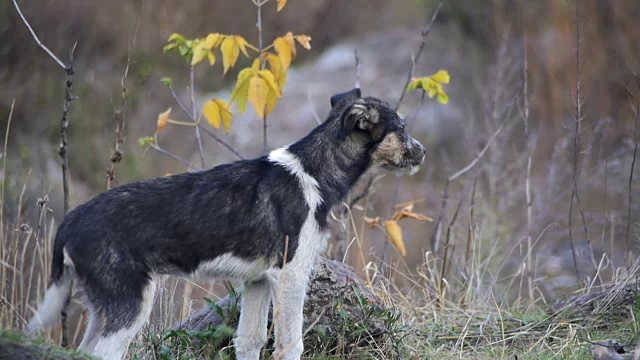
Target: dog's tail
<point>58,293</point>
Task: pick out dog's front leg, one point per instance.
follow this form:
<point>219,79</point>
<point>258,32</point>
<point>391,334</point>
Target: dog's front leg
<point>254,312</point>
<point>288,313</point>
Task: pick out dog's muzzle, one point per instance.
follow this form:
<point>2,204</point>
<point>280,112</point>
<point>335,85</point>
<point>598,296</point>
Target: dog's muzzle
<point>414,157</point>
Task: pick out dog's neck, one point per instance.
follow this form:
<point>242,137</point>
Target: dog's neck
<point>337,165</point>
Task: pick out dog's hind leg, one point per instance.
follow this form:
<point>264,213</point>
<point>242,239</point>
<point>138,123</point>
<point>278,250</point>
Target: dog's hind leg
<point>121,323</point>
<point>92,333</point>
<point>254,313</point>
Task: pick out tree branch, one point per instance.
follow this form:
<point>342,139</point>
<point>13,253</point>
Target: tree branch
<point>414,59</point>
<point>194,117</point>
<point>119,118</point>
<point>172,155</point>
<point>35,37</point>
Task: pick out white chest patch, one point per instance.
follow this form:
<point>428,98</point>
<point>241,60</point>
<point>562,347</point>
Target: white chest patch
<point>310,187</point>
<point>311,240</point>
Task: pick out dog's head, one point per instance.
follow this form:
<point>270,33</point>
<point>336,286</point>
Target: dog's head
<point>372,123</point>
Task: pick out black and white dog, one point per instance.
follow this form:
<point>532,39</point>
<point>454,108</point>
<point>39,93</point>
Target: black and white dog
<point>232,221</point>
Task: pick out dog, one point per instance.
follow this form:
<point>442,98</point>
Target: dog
<point>263,221</point>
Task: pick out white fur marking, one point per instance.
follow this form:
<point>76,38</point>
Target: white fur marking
<point>230,267</point>
<point>49,310</point>
<point>66,258</point>
<point>310,187</point>
<point>114,346</point>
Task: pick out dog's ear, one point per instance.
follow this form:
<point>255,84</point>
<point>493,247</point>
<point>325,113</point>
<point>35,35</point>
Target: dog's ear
<point>358,116</point>
<point>351,94</point>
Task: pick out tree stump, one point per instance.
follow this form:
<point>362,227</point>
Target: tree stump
<point>340,311</point>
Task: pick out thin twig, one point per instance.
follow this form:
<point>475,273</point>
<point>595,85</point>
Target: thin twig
<point>260,48</point>
<point>222,142</point>
<point>35,37</point>
<point>195,116</point>
<point>527,183</point>
<point>633,163</point>
<point>64,125</point>
<point>473,162</point>
<point>578,124</point>
<point>467,253</point>
<point>4,171</point>
<point>358,68</point>
<point>445,255</point>
<point>173,156</point>
<point>119,116</point>
<point>414,59</point>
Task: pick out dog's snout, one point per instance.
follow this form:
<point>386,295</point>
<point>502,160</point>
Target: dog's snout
<point>418,148</point>
<point>422,148</point>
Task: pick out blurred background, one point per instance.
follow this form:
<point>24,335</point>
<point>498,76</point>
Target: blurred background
<point>484,44</point>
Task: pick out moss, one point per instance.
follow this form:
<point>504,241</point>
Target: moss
<point>17,346</point>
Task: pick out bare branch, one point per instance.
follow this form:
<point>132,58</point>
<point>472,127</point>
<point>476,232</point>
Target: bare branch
<point>633,163</point>
<point>358,69</point>
<point>42,45</point>
<point>64,124</point>
<point>473,162</point>
<point>172,155</point>
<point>414,59</point>
<point>222,142</point>
<point>194,116</point>
<point>578,130</point>
<point>119,116</point>
<point>259,4</point>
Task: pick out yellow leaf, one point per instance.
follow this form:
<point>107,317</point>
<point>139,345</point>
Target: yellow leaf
<point>258,93</point>
<point>271,81</point>
<point>276,68</point>
<point>255,67</point>
<point>442,77</point>
<point>414,84</point>
<point>241,91</point>
<point>430,86</point>
<point>443,98</point>
<point>213,40</point>
<point>163,119</point>
<point>212,113</point>
<point>281,4</point>
<point>304,40</point>
<point>292,44</point>
<point>407,213</point>
<point>212,58</point>
<point>225,114</point>
<point>272,98</point>
<point>284,52</point>
<point>395,235</point>
<point>242,44</point>
<point>199,52</point>
<point>230,53</point>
